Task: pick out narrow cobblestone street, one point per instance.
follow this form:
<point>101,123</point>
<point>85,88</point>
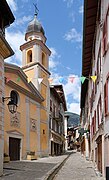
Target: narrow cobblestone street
<point>77,168</point>
<point>31,170</point>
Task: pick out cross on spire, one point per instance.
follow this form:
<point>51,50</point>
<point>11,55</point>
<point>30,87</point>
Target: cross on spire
<point>36,9</point>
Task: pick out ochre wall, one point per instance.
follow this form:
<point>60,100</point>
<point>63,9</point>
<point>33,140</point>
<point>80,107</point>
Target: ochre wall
<point>23,115</point>
<point>44,137</point>
<point>43,115</point>
<point>1,111</point>
<point>35,73</point>
<point>7,120</point>
<point>33,134</point>
<point>14,78</point>
<point>30,73</point>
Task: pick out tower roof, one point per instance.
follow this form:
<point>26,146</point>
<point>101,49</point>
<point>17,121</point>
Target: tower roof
<point>35,26</point>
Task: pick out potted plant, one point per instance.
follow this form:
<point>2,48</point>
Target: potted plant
<point>6,157</point>
<point>31,155</point>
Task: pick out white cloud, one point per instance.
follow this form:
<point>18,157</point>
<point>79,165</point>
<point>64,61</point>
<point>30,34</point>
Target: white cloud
<point>71,90</point>
<point>52,64</point>
<point>53,52</point>
<point>69,2</point>
<point>72,15</point>
<point>73,36</point>
<point>81,9</point>
<point>12,4</point>
<point>74,107</point>
<point>68,68</point>
<point>15,39</point>
<point>22,20</point>
<point>53,58</point>
<point>25,1</point>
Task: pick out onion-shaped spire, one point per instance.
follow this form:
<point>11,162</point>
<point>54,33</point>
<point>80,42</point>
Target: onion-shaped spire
<point>35,25</point>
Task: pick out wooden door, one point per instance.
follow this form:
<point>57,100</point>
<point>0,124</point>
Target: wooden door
<point>14,149</point>
<point>100,156</point>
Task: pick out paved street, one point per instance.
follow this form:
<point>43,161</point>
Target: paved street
<point>77,168</point>
<point>31,170</point>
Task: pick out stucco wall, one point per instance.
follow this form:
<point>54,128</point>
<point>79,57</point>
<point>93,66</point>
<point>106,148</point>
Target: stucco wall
<point>27,108</point>
<point>1,113</point>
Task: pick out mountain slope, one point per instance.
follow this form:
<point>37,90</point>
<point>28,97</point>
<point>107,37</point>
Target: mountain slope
<point>73,120</point>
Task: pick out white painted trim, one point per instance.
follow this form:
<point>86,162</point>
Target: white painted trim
<point>27,125</point>
<point>38,133</point>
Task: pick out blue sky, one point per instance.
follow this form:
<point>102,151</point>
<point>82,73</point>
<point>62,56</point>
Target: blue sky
<point>62,22</point>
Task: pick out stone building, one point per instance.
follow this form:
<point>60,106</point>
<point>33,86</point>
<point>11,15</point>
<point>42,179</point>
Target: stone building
<point>6,18</point>
<point>56,120</point>
<point>35,64</point>
<point>28,128</point>
<point>66,117</point>
<point>95,94</point>
<point>21,135</point>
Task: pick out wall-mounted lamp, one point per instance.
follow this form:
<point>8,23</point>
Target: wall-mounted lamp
<point>12,106</point>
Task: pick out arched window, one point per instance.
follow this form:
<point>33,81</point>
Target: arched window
<point>15,97</point>
<point>29,56</point>
<point>43,59</point>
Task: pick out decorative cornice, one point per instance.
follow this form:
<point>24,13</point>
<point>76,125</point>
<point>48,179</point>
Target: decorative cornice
<point>36,63</point>
<point>59,93</point>
<point>5,49</point>
<point>32,94</point>
<point>6,13</point>
<point>35,42</point>
<point>17,70</point>
<point>35,33</point>
<point>15,132</point>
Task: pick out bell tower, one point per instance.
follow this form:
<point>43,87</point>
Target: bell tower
<point>35,53</point>
<point>35,57</point>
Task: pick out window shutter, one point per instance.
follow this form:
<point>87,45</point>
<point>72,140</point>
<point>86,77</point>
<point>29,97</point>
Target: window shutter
<point>95,85</point>
<point>98,113</point>
<point>92,126</point>
<point>105,98</point>
<point>94,121</point>
<point>91,130</point>
<point>100,108</point>
<point>105,36</point>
